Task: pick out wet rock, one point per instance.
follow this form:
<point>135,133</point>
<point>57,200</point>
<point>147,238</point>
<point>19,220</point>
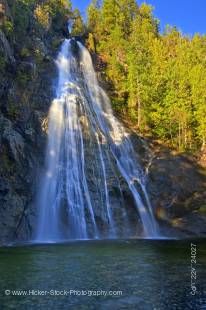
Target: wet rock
<point>5,49</point>
<point>12,139</point>
<point>74,48</point>
<point>65,30</point>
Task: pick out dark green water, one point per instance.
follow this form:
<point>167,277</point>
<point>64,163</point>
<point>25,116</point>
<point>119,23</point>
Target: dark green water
<point>151,275</point>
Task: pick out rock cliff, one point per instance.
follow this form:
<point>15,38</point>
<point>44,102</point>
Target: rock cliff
<point>28,47</point>
<point>27,74</point>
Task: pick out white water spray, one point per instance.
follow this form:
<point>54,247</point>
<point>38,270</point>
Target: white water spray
<point>81,122</point>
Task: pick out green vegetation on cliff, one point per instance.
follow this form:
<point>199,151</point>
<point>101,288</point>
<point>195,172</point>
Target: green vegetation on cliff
<point>158,80</point>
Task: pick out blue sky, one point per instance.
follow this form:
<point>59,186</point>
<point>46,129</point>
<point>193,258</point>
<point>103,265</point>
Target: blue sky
<point>188,15</point>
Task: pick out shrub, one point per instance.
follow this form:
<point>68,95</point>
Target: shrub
<point>42,14</point>
<point>8,27</point>
<point>25,52</point>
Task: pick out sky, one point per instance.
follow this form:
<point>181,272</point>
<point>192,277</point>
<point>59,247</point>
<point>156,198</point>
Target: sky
<point>188,15</point>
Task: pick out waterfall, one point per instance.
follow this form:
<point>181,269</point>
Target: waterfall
<point>88,149</point>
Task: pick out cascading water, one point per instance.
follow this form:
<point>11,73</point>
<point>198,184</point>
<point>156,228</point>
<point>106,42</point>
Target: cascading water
<point>87,150</point>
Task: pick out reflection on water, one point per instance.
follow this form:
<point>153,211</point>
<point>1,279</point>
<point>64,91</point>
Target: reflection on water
<point>150,274</point>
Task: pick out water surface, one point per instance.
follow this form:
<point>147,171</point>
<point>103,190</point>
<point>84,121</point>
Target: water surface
<point>151,275</point>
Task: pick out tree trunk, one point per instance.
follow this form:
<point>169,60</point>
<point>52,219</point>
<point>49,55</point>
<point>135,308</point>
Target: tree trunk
<point>179,136</point>
<point>139,113</point>
<point>203,144</point>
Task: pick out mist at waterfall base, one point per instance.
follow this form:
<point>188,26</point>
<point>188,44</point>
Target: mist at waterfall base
<point>86,145</point>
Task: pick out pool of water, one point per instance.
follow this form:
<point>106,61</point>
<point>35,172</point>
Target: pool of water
<point>127,274</point>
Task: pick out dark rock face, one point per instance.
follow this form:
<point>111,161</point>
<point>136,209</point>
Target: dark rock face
<point>177,188</point>
<point>74,48</point>
<point>22,147</point>
<point>27,73</point>
<point>65,30</point>
<point>5,49</point>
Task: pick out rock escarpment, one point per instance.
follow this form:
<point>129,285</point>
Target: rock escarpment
<point>177,188</point>
<point>27,73</point>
